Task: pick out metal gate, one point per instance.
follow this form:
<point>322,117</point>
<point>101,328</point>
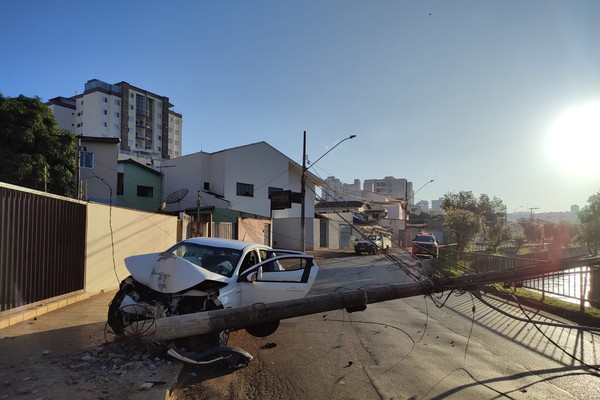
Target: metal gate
<point>345,234</point>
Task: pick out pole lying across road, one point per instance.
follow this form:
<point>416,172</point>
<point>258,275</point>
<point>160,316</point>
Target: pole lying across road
<point>352,300</point>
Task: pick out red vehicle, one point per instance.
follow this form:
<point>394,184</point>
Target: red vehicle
<point>425,244</point>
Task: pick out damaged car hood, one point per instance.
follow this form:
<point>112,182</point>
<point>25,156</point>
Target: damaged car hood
<point>168,273</point>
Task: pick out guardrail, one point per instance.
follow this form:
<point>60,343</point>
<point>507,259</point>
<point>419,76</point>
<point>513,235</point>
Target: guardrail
<point>573,285</point>
<point>579,285</point>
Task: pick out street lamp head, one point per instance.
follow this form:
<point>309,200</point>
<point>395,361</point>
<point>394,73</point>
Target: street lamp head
<point>352,136</point>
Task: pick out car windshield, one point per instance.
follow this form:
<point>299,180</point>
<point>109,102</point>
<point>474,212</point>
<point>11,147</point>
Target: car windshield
<point>214,259</point>
<point>425,238</point>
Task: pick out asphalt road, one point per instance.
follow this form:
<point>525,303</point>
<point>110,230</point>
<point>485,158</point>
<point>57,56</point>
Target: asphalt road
<point>415,348</point>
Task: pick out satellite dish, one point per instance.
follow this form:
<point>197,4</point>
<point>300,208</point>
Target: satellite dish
<point>176,197</point>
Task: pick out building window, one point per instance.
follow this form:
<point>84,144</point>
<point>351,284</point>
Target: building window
<point>145,191</point>
<point>105,99</point>
<point>207,186</point>
<point>105,112</point>
<point>274,189</point>
<point>245,189</point>
<point>81,102</point>
<point>117,102</point>
<point>116,126</point>
<point>120,184</point>
<point>117,114</point>
<point>86,159</point>
<point>104,124</point>
<point>131,107</point>
<point>159,137</point>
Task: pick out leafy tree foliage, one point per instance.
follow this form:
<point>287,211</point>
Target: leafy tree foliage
<point>462,200</point>
<point>463,226</point>
<point>589,218</point>
<point>532,229</point>
<point>33,152</point>
<point>494,226</point>
<point>483,216</point>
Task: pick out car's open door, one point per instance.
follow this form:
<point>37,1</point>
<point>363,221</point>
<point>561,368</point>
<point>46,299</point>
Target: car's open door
<point>283,277</point>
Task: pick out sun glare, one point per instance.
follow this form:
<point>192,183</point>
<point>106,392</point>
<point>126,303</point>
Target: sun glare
<point>573,143</point>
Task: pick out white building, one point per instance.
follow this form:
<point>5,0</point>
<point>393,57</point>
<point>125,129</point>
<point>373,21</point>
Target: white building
<point>336,190</point>
<point>240,180</point>
<point>148,128</point>
<point>399,189</point>
<point>423,205</point>
<point>436,205</point>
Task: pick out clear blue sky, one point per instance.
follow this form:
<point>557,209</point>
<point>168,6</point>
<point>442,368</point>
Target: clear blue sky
<point>468,93</point>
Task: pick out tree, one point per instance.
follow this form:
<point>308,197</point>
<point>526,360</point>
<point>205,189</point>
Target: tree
<point>463,226</point>
<point>33,152</point>
<point>462,200</point>
<point>483,216</point>
<point>532,229</point>
<point>494,226</point>
<point>589,218</point>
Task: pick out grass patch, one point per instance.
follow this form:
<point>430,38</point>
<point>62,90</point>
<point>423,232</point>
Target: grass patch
<point>554,302</point>
<point>531,298</point>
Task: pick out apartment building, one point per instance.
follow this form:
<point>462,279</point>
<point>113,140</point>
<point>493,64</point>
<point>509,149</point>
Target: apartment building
<point>395,188</point>
<point>336,190</point>
<point>144,122</point>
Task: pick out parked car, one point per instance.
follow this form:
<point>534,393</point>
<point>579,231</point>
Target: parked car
<point>372,244</point>
<point>424,243</point>
<point>203,274</point>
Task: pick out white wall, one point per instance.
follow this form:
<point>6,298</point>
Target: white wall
<point>64,116</point>
<point>128,232</point>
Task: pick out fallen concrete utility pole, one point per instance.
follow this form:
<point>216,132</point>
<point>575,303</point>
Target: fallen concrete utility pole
<point>351,300</point>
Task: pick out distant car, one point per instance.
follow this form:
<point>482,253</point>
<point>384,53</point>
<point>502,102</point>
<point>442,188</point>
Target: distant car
<point>425,244</point>
<point>372,244</point>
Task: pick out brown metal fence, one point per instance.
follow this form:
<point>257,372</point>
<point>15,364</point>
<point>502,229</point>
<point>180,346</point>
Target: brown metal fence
<point>42,247</point>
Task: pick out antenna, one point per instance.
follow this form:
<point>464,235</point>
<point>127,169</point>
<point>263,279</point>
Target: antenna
<point>176,197</point>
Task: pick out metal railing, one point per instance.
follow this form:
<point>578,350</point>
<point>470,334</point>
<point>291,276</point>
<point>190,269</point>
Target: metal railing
<point>573,285</point>
<point>578,285</point>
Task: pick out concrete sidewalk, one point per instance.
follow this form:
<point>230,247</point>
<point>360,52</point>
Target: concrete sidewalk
<point>67,349</point>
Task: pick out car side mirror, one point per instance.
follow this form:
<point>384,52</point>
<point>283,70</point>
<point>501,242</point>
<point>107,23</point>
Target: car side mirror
<point>256,275</point>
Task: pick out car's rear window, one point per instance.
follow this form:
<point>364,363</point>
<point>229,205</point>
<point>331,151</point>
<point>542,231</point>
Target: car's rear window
<point>424,238</point>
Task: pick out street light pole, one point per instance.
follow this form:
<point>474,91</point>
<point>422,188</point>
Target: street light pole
<point>303,193</point>
<point>303,184</point>
<point>418,190</point>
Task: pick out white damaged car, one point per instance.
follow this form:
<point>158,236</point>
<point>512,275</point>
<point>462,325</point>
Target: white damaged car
<point>203,274</point>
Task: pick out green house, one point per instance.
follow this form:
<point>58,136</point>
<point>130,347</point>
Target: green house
<point>138,186</point>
